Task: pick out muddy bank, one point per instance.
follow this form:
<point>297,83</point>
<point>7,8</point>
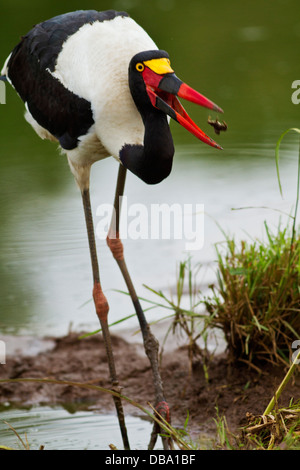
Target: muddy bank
<point>234,390</point>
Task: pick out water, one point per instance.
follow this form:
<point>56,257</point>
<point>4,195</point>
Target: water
<point>45,267</point>
<point>244,60</point>
<point>57,429</point>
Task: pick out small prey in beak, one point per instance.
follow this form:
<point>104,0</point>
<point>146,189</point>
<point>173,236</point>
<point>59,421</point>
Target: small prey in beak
<point>217,125</point>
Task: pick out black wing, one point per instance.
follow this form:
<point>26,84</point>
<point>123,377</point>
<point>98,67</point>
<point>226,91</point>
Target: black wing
<point>64,114</point>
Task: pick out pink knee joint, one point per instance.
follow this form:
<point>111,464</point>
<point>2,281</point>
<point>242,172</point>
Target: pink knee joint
<point>116,246</point>
<point>101,303</point>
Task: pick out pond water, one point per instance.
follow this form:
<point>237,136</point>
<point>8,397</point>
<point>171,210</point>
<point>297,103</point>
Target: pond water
<point>58,429</point>
<point>45,268</point>
<point>243,58</point>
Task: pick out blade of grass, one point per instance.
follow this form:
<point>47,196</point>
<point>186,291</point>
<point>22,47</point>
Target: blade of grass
<point>282,385</point>
<point>294,129</point>
<point>277,153</point>
<point>25,445</point>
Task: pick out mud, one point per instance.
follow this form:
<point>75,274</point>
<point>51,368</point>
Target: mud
<point>233,390</point>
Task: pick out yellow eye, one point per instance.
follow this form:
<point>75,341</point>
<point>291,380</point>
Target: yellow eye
<point>140,67</point>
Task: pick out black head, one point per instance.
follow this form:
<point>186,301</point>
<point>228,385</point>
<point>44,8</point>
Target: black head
<point>153,84</point>
<point>137,78</point>
<point>154,88</point>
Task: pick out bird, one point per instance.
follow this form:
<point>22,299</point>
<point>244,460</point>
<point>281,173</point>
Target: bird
<point>97,84</point>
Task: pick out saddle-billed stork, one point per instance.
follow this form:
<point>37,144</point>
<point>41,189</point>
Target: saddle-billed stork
<point>97,84</point>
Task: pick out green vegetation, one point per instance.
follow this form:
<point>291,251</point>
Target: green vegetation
<point>257,301</point>
<point>186,319</point>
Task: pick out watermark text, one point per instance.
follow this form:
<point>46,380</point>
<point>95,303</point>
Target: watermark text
<point>157,222</point>
<point>296,95</point>
<point>2,93</point>
<point>2,352</point>
<point>296,349</point>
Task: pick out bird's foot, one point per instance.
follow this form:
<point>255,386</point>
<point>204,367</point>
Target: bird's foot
<point>162,411</point>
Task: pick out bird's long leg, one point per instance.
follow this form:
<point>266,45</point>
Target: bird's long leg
<point>150,343</point>
<point>102,308</point>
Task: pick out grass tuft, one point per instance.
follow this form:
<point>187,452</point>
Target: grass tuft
<point>257,301</point>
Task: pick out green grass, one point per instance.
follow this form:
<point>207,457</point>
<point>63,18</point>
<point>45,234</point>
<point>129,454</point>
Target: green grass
<point>183,309</point>
<point>256,302</point>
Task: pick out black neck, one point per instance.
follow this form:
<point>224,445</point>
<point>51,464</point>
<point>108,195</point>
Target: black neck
<point>152,162</point>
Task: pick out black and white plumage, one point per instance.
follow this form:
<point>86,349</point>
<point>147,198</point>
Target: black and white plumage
<point>96,83</point>
<point>72,73</point>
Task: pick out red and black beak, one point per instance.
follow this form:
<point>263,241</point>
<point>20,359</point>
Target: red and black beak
<point>163,87</point>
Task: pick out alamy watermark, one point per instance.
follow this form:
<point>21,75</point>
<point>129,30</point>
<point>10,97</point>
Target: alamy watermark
<point>2,93</point>
<point>155,222</point>
<point>2,352</point>
<point>296,95</point>
<point>296,349</point>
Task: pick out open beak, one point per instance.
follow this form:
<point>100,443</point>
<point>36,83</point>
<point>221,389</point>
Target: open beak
<point>163,87</point>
